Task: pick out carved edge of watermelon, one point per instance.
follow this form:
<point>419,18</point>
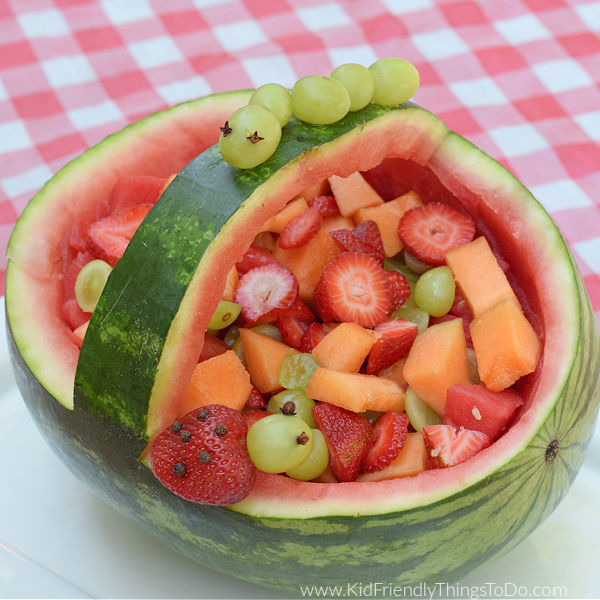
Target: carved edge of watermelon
<point>33,280</point>
<point>444,535</point>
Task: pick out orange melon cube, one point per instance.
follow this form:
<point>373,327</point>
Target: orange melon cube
<point>263,356</point>
<point>265,239</point>
<point>479,276</point>
<point>355,391</point>
<point>353,193</point>
<point>292,209</point>
<point>318,189</point>
<point>506,345</point>
<point>395,372</point>
<point>231,285</point>
<point>221,379</point>
<point>80,332</point>
<point>438,359</point>
<point>345,347</point>
<point>387,216</point>
<point>307,262</point>
<point>337,222</point>
<point>411,461</point>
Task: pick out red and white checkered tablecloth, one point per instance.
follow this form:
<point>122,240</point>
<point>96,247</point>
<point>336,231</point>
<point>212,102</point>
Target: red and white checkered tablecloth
<point>519,78</point>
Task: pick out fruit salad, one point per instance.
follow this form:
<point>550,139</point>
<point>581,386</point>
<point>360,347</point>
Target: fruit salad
<point>356,340</point>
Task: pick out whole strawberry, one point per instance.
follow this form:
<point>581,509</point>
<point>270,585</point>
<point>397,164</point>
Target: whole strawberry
<point>203,458</point>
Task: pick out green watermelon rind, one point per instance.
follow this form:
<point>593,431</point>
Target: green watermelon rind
<point>432,539</point>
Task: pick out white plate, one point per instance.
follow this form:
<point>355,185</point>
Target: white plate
<point>58,541</point>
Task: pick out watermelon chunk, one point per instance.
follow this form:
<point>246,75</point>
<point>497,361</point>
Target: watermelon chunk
<point>473,406</point>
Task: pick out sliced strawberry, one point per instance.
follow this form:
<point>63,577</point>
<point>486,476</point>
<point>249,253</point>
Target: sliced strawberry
<point>299,230</point>
<point>313,334</point>
<point>326,205</point>
<point>368,232</point>
<point>347,435</point>
<point>351,243</point>
<point>399,288</point>
<point>109,237</point>
<point>292,330</point>
<point>255,400</point>
<point>203,457</point>
<point>354,288</point>
<point>297,310</point>
<point>251,416</point>
<point>448,447</point>
<point>389,435</point>
<point>263,289</point>
<point>430,231</point>
<point>396,336</point>
<point>460,307</point>
<point>255,257</point>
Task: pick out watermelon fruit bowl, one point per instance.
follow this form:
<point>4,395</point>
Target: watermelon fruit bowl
<point>99,405</point>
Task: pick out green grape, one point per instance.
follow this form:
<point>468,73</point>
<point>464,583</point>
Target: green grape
<point>233,334</point>
<point>269,330</point>
<point>276,98</point>
<point>90,283</point>
<point>315,463</point>
<point>415,264</point>
<point>296,369</point>
<point>319,100</point>
<point>434,292</point>
<point>249,136</point>
<point>358,82</point>
<point>414,314</point>
<point>225,314</point>
<point>396,81</point>
<point>278,443</point>
<point>418,412</point>
<point>238,348</point>
<point>302,404</point>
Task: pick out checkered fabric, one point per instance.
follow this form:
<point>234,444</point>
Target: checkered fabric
<point>519,78</point>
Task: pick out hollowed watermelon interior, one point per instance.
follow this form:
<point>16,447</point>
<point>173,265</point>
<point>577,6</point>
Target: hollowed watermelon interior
<point>416,153</point>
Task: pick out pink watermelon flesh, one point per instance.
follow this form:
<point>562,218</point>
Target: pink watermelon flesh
<point>475,407</point>
<point>135,189</point>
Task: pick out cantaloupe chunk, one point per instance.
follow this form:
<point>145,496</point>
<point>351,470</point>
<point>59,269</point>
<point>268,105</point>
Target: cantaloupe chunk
<point>438,359</point>
<point>395,372</point>
<point>265,239</point>
<point>292,209</point>
<point>411,461</point>
<point>345,347</point>
<point>355,391</point>
<point>263,356</point>
<point>318,189</point>
<point>506,345</point>
<point>307,262</point>
<point>387,216</point>
<point>337,222</point>
<point>479,276</point>
<point>218,380</point>
<point>353,193</point>
<point>231,285</point>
